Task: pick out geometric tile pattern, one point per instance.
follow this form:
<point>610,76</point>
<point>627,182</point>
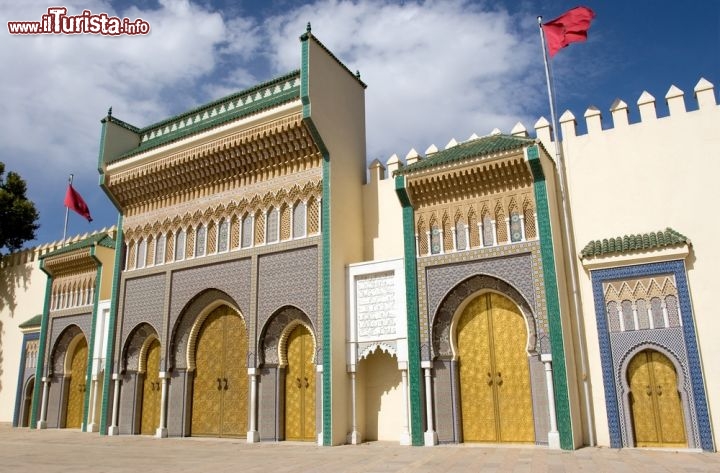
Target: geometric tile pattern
<point>679,343</point>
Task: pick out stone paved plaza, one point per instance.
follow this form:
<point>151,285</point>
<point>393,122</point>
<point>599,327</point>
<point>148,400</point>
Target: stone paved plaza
<point>48,451</point>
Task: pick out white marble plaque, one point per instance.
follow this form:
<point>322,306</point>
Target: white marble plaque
<point>375,302</point>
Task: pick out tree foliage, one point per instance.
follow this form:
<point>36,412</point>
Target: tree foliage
<point>18,216</point>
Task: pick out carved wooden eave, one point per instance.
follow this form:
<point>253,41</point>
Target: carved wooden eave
<point>472,178</point>
<point>240,154</point>
<point>71,263</point>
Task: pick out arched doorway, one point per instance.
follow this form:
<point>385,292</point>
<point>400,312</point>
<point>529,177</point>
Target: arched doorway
<point>655,403</point>
<point>495,393</point>
<point>219,405</point>
<point>150,413</point>
<point>77,388</point>
<point>27,402</point>
<point>300,386</point>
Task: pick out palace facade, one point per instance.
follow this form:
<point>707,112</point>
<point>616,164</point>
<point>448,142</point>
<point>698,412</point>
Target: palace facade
<point>263,283</point>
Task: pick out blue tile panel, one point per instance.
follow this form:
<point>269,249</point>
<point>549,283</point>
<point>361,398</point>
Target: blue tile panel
<point>610,360</point>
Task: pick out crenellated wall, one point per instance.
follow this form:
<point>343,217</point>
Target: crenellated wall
<point>629,178</point>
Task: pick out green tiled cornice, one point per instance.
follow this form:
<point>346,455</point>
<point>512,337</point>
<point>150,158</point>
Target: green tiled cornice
<point>479,147</point>
<point>630,243</point>
<point>247,102</point>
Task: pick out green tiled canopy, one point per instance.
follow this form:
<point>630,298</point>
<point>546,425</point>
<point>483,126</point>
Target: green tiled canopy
<point>470,149</point>
<point>630,243</point>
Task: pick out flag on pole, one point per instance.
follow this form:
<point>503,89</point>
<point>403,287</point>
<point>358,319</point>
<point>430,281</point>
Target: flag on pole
<point>570,27</point>
<point>75,202</point>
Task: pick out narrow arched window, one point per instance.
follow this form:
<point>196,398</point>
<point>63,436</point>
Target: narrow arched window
<point>247,231</point>
<point>200,238</point>
<point>488,233</point>
<point>299,220</point>
<point>460,236</point>
<point>271,233</point>
<point>160,242</point>
<point>141,253</point>
<point>223,233</point>
<point>180,245</point>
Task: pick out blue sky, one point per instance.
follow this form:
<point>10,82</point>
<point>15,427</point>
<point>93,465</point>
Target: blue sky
<point>435,70</point>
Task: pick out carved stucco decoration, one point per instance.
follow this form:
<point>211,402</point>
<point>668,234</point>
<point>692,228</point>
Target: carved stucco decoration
<point>136,346</point>
<point>189,323</point>
<point>442,320</point>
<point>273,340</point>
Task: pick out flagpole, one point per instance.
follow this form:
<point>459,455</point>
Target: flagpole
<point>570,242</point>
<point>67,211</point>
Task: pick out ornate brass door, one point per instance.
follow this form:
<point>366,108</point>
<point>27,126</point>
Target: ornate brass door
<point>76,394</point>
<point>655,401</point>
<point>151,391</point>
<point>300,386</point>
<point>220,388</point>
<point>495,394</point>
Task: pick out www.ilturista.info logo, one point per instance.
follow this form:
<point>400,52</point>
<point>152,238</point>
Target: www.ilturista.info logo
<point>57,21</point>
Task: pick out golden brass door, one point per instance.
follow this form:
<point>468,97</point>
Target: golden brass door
<point>219,405</point>
<point>151,391</point>
<point>300,386</point>
<point>495,395</point>
<point>655,401</point>
<point>76,394</point>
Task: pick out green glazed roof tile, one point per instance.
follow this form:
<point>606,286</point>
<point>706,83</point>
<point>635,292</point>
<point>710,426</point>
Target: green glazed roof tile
<point>101,239</point>
<point>240,104</point>
<point>470,149</point>
<point>32,322</point>
<point>630,243</point>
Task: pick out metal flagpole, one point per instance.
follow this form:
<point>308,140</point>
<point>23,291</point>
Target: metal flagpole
<point>570,243</point>
<point>67,211</point>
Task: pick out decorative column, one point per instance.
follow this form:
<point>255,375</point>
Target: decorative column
<point>430,434</point>
<point>467,237</point>
<point>508,229</point>
<point>355,437</point>
<point>320,222</point>
<point>114,430</point>
<point>429,240</point>
<point>162,431</point>
<point>319,385</point>
<point>253,436</point>
<point>480,234</point>
<point>522,228</point>
<point>93,401</point>
<point>553,435</point>
<point>442,241</point>
<point>454,237</point>
<point>417,246</point>
<point>42,423</point>
<point>494,233</point>
<point>405,435</point>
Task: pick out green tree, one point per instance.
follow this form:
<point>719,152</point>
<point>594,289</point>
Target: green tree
<point>18,216</point>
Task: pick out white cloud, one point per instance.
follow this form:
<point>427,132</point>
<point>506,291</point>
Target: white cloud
<point>435,70</point>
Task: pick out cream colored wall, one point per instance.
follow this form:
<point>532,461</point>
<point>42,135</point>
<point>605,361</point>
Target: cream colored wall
<point>107,259</point>
<point>382,217</point>
<point>337,102</point>
<point>643,177</point>
<point>22,294</point>
<point>381,403</point>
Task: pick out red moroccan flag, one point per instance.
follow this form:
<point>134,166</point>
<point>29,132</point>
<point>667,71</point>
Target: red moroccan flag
<point>74,202</point>
<point>568,28</point>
